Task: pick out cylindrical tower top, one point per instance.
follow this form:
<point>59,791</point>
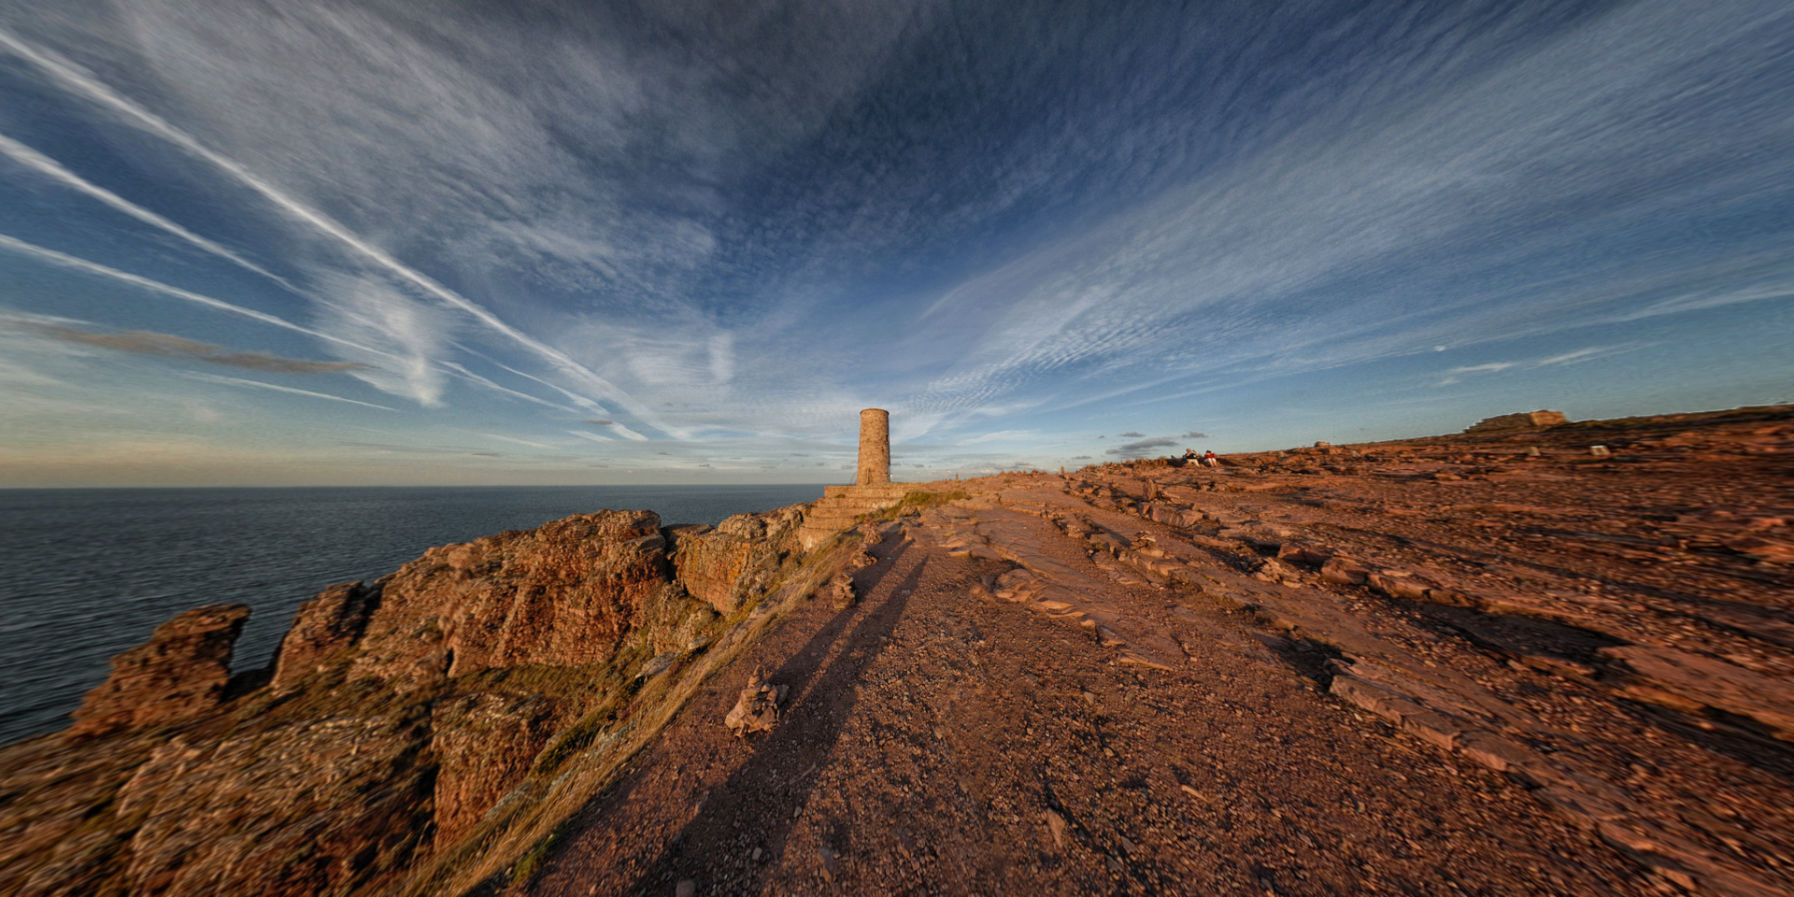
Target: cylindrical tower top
<point>875,447</point>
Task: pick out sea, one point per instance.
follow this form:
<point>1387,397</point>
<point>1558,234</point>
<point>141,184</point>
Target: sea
<point>87,573</point>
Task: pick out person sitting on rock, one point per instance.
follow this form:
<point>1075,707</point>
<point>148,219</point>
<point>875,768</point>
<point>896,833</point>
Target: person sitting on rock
<point>1210,459</point>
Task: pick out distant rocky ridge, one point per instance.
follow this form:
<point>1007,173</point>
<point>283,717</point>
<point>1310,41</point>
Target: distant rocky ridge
<point>1526,420</point>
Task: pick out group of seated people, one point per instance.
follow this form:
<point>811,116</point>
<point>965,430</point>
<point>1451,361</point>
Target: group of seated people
<point>1207,458</point>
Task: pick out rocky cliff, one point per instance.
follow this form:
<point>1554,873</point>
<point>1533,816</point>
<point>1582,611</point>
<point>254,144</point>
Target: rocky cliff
<point>394,717</point>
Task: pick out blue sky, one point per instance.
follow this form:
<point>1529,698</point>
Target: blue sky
<point>394,243</point>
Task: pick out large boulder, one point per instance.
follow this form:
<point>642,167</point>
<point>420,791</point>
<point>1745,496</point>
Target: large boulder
<point>710,563</point>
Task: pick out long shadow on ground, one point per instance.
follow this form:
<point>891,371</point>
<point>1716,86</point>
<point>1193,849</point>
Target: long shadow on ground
<point>757,806</point>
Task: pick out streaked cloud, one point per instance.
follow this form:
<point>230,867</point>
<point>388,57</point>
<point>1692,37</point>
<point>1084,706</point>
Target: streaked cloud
<point>1576,356</point>
<point>84,84</point>
<point>61,259</point>
<point>45,166</point>
<point>145,342</point>
<point>289,390</point>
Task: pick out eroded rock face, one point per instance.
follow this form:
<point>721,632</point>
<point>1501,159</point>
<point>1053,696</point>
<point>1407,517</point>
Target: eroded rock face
<point>710,563</point>
<point>485,745</point>
<point>179,674</point>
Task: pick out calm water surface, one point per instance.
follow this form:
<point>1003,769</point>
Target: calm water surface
<point>86,573</point>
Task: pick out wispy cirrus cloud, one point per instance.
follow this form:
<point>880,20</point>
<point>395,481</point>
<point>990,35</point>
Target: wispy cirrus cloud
<point>86,85</point>
<point>667,227</point>
<point>1575,356</point>
<point>65,260</point>
<point>289,390</point>
<point>408,334</point>
<point>1357,233</point>
<point>377,321</point>
<point>49,168</point>
<point>516,441</point>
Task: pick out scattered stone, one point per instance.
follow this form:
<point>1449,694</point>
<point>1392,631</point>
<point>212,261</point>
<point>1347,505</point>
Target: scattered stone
<point>1344,571</point>
<point>1495,752</point>
<point>659,664</point>
<point>685,888</point>
<point>1301,555</point>
<point>1770,550</point>
<point>1686,680</point>
<point>1056,827</point>
<point>1599,451</point>
<point>1397,584</point>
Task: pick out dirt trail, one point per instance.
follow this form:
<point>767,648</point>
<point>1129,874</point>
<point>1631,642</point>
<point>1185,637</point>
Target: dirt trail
<point>940,741</point>
<point>1440,667</point>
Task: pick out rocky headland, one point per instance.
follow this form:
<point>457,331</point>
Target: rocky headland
<point>1536,657</point>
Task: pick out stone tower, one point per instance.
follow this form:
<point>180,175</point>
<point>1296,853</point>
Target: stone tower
<point>872,491</point>
<point>875,447</point>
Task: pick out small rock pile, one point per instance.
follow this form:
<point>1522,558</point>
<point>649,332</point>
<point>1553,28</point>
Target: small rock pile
<point>757,710</point>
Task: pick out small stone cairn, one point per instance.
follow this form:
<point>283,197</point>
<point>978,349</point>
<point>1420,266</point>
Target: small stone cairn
<point>757,710</point>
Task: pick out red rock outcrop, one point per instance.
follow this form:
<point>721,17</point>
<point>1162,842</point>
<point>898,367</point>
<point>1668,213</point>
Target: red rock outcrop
<point>710,563</point>
<point>1237,646</point>
<point>179,674</point>
<point>563,594</point>
<point>323,632</point>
